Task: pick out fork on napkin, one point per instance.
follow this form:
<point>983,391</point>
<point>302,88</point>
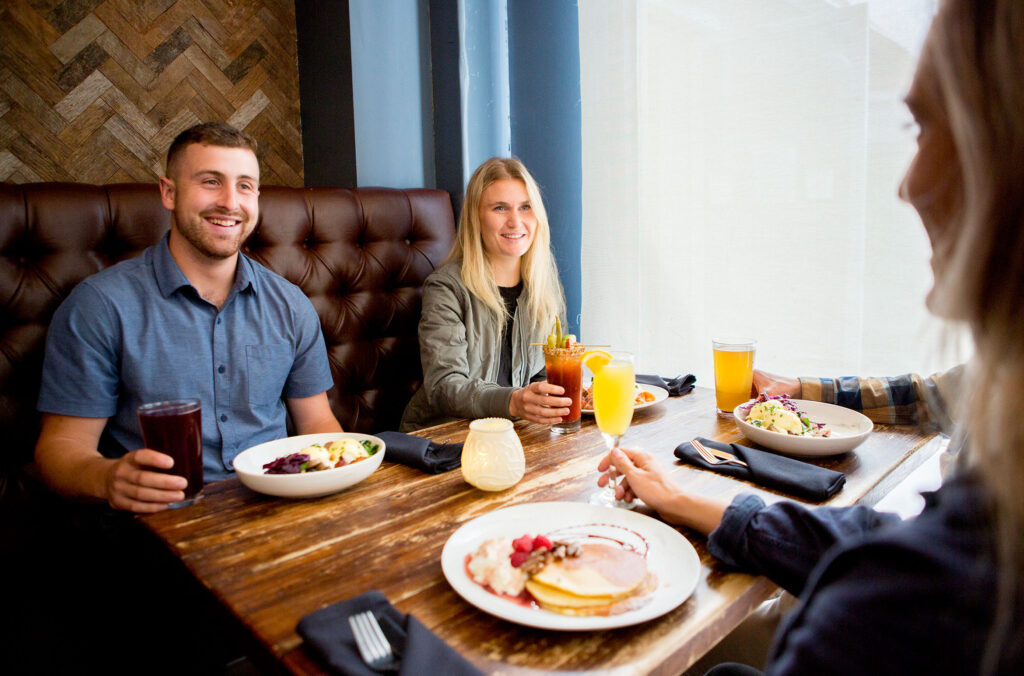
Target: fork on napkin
<point>417,649</point>
<point>787,475</point>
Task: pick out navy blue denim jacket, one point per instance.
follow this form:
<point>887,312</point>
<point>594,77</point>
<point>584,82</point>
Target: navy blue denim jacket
<point>878,595</point>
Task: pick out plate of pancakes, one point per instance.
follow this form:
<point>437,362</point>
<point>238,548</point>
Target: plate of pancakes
<point>629,568</point>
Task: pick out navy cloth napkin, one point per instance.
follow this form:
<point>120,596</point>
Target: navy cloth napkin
<point>676,387</point>
<point>787,475</point>
<point>328,635</point>
<point>422,454</point>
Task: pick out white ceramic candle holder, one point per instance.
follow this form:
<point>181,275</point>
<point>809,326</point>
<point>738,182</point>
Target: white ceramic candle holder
<point>492,457</point>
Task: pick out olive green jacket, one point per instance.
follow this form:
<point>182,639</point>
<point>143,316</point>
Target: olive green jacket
<point>460,350</point>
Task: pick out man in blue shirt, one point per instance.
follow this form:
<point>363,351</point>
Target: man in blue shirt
<point>190,317</point>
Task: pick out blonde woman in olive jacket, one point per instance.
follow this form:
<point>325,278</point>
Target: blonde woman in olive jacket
<point>497,291</point>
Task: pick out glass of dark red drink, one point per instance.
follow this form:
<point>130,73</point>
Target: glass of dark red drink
<point>563,367</point>
<point>175,428</point>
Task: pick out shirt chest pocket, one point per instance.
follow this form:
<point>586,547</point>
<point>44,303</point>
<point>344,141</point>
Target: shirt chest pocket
<point>267,368</point>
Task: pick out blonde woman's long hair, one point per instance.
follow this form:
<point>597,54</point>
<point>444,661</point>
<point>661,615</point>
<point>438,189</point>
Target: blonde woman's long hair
<point>977,49</point>
<point>542,297</point>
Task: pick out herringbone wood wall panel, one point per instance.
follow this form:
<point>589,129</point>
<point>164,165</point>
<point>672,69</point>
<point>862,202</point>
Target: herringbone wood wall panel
<point>94,91</point>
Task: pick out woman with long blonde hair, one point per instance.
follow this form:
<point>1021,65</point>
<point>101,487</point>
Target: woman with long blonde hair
<point>942,593</point>
<point>496,294</point>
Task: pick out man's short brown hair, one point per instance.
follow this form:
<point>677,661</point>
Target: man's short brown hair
<point>209,134</point>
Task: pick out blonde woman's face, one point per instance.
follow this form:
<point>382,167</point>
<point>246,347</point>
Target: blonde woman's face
<point>507,221</point>
<point>932,184</point>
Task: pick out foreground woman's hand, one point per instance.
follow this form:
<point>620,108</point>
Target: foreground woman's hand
<point>645,477</point>
<point>540,402</point>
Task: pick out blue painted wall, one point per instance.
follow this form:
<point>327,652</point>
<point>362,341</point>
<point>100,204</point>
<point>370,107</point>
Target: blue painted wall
<point>391,93</point>
<point>544,66</point>
<point>485,87</point>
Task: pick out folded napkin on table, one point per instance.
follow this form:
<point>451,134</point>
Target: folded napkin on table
<point>676,387</point>
<point>801,479</point>
<point>419,650</point>
<point>422,454</point>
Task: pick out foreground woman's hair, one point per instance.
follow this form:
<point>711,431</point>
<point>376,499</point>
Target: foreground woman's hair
<point>977,49</point>
<point>541,289</point>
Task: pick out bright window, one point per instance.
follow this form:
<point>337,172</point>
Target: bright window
<point>740,168</point>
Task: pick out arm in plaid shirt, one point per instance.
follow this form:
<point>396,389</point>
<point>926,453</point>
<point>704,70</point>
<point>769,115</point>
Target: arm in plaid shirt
<point>904,400</point>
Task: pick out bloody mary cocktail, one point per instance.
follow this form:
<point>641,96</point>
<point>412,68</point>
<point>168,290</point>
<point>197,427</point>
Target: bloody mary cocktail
<point>563,367</point>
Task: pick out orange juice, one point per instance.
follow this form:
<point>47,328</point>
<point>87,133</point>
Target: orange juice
<point>613,396</point>
<point>734,372</point>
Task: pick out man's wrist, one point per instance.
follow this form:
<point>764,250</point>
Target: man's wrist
<point>95,474</point>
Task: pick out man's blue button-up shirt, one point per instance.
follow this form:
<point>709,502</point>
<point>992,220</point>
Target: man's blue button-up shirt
<point>139,332</point>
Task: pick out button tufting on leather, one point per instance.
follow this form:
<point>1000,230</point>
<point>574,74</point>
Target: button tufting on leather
<point>344,248</point>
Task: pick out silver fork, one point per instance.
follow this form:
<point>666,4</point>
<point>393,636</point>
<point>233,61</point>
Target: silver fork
<point>370,640</point>
<point>714,459</point>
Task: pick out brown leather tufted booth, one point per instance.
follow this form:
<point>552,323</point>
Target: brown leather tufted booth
<point>361,256</point>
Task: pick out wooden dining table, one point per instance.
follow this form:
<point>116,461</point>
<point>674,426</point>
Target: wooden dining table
<point>270,561</point>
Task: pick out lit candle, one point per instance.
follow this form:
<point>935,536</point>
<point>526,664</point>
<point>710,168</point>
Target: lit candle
<point>492,457</point>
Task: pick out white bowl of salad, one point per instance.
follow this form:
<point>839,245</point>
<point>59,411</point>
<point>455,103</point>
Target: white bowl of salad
<point>811,428</point>
<point>309,465</point>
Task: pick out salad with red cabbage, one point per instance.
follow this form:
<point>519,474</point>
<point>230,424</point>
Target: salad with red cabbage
<point>779,413</point>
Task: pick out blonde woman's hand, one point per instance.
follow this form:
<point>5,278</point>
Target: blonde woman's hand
<point>540,402</point>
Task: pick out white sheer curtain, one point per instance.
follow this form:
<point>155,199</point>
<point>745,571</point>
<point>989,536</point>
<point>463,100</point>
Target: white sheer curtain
<point>741,160</point>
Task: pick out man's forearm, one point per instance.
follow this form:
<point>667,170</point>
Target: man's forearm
<point>325,424</point>
<point>73,473</point>
<point>895,400</point>
<point>68,460</point>
<point>313,415</point>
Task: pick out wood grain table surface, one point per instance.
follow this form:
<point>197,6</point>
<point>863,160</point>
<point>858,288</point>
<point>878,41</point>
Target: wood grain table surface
<point>271,561</point>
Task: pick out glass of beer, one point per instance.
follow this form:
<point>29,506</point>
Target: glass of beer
<point>563,367</point>
<point>734,372</point>
<point>175,428</point>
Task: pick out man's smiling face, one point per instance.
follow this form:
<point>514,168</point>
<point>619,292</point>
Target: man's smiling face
<point>214,194</point>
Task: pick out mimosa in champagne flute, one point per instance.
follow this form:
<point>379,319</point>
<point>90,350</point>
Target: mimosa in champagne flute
<point>614,395</point>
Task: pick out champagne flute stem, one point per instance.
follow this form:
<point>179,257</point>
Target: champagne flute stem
<point>612,441</point>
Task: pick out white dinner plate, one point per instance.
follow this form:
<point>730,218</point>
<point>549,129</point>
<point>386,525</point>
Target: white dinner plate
<point>849,429</point>
<point>249,467</point>
<point>660,395</point>
<point>670,556</point>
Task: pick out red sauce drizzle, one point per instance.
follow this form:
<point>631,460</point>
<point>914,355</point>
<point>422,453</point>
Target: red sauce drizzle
<point>630,540</point>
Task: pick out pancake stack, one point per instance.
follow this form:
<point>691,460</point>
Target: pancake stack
<point>602,580</point>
